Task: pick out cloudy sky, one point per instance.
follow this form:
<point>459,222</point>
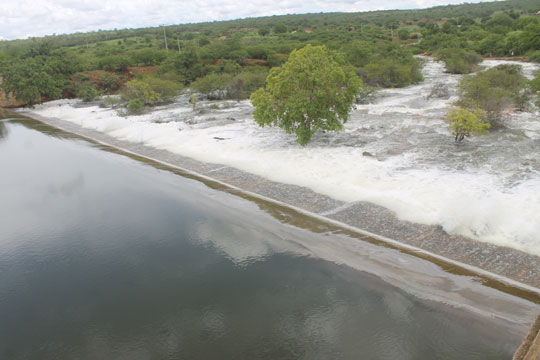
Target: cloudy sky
<point>24,18</point>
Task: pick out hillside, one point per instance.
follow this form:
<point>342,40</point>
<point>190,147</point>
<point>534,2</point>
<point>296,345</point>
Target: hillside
<point>232,58</point>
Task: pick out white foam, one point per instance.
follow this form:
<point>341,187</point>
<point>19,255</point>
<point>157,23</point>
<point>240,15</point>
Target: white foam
<point>487,189</point>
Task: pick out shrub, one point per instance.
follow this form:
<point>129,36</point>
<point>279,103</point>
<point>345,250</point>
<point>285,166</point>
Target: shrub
<point>275,59</point>
<point>403,34</point>
<point>110,82</point>
<point>535,83</point>
<point>148,57</point>
<point>465,123</point>
<point>167,89</point>
<point>82,77</point>
<point>211,83</point>
<point>280,28</point>
<point>492,90</point>
<point>257,52</point>
<point>218,86</point>
<point>535,57</point>
<point>245,83</point>
<point>203,42</point>
<point>141,91</point>
<point>86,92</point>
<point>459,61</point>
<point>118,63</point>
<point>391,73</point>
<point>359,53</point>
<point>135,106</point>
<point>111,101</point>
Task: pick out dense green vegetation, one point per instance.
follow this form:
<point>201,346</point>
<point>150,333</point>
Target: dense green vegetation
<point>493,90</point>
<point>231,59</point>
<point>459,61</point>
<point>313,90</point>
<point>237,54</point>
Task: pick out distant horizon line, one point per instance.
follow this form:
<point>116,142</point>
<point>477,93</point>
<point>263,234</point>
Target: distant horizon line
<point>29,37</point>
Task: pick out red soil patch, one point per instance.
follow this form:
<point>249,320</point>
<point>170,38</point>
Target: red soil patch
<point>257,62</point>
<point>511,58</point>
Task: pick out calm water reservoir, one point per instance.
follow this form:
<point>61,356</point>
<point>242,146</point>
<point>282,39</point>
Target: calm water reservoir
<point>106,257</point>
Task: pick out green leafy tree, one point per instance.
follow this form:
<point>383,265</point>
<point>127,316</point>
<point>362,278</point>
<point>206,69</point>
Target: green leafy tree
<point>280,28</point>
<point>359,53</point>
<point>465,123</point>
<point>404,34</point>
<point>313,90</point>
<point>110,82</point>
<point>264,31</point>
<point>31,80</point>
<point>184,63</point>
<point>86,92</point>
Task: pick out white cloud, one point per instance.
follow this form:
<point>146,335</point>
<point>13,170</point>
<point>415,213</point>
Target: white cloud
<point>24,18</point>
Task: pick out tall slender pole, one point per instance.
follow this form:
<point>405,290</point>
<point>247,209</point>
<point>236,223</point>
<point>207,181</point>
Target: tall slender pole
<point>165,37</point>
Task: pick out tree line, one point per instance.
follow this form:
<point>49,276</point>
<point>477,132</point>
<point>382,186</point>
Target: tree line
<point>232,59</point>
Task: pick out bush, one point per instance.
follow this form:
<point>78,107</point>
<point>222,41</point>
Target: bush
<point>117,63</point>
<point>258,52</point>
<point>459,61</point>
<point>535,57</point>
<point>203,42</point>
<point>111,101</point>
<point>135,106</point>
<point>218,86</point>
<point>466,123</point>
<point>211,83</point>
<point>140,91</point>
<point>166,89</point>
<point>245,83</point>
<point>280,28</point>
<point>148,57</point>
<point>359,53</point>
<point>86,92</point>
<point>275,59</point>
<point>535,83</point>
<point>391,73</point>
<point>403,34</point>
<point>492,90</point>
<point>110,82</point>
<point>82,77</point>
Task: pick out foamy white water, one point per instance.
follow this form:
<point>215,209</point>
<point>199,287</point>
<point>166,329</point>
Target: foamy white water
<point>486,188</point>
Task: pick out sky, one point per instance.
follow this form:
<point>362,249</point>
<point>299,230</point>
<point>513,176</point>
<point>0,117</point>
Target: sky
<point>28,18</point>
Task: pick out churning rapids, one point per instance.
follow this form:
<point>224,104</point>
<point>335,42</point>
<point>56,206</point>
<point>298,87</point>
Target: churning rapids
<point>397,152</point>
